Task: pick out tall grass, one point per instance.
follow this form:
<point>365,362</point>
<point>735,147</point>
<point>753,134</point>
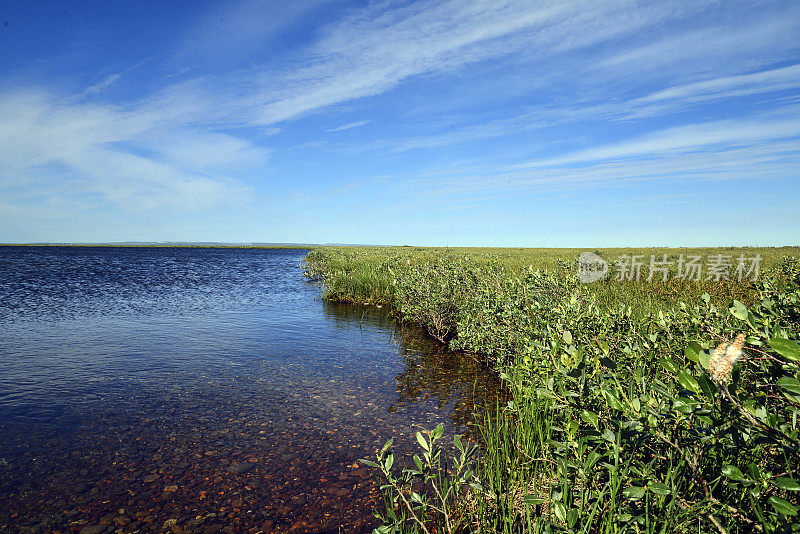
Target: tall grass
<point>371,274</point>
<point>624,416</point>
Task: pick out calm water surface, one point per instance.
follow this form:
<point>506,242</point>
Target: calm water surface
<point>203,390</point>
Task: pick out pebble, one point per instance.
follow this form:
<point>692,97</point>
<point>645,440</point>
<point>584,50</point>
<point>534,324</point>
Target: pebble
<point>240,467</point>
<point>306,467</point>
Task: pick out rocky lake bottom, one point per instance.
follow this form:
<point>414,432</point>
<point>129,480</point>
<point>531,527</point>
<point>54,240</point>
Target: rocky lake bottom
<point>254,425</point>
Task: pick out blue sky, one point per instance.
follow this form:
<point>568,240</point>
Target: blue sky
<point>507,123</point>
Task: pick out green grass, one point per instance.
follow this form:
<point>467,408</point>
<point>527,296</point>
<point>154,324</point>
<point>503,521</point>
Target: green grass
<point>366,274</point>
<point>620,418</point>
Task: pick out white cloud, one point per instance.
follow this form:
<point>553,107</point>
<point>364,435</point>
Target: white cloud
<point>731,86</point>
<point>659,103</point>
<point>579,61</point>
<point>108,81</point>
<point>765,148</point>
<point>138,157</point>
<point>237,28</point>
<point>370,53</point>
<point>745,35</point>
<point>682,139</point>
<point>348,126</point>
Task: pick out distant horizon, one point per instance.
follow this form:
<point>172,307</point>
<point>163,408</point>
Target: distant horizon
<point>470,123</point>
<point>234,244</point>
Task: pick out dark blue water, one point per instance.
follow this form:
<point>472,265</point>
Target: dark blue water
<point>207,386</point>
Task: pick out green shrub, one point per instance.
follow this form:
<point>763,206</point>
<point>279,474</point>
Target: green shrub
<point>682,418</point>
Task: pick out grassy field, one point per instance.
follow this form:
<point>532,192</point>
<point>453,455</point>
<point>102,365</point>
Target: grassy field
<point>548,258</point>
<point>636,406</point>
<point>366,274</point>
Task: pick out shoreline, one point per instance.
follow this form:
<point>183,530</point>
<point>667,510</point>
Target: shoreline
<point>597,374</point>
<point>148,245</point>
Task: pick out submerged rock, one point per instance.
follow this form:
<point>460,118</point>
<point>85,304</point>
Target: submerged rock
<point>240,467</point>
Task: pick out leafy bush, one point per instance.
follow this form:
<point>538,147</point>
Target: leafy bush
<point>622,420</point>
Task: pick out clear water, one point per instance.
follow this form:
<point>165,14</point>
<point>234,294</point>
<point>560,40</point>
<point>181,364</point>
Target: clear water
<point>210,389</point>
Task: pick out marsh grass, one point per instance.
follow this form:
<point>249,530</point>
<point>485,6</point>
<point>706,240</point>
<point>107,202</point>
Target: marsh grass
<point>621,417</point>
<point>370,274</point>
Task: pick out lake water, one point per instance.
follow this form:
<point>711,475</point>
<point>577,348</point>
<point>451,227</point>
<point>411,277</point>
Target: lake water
<point>203,390</point>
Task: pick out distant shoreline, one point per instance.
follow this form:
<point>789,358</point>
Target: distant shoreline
<point>428,248</point>
<point>154,245</point>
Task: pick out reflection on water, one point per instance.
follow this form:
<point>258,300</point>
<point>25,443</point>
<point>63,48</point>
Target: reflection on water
<point>203,390</point>
<point>457,382</point>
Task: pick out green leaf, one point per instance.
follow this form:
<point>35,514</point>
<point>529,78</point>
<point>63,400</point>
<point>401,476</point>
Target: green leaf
<point>572,517</point>
<point>532,500</point>
<point>659,488</point>
<point>561,511</point>
<point>612,400</point>
<point>589,417</point>
<point>371,464</point>
<point>708,387</point>
<point>786,483</point>
<point>791,385</point>
<point>687,381</point>
<point>594,456</point>
<point>418,462</point>
<point>703,357</point>
<point>782,506</point>
<point>684,405</point>
<point>785,347</point>
<point>732,472</point>
<point>438,431</point>
<point>692,351</point>
<point>566,335</point>
<point>386,446</point>
<point>422,441</point>
<point>389,462</point>
<point>668,364</point>
<point>634,493</point>
<point>739,310</point>
<point>415,497</point>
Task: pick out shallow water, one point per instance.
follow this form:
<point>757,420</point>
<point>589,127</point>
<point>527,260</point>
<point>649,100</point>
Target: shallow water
<point>203,390</point>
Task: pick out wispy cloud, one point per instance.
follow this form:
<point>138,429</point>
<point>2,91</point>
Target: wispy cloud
<point>723,150</point>
<point>137,158</point>
<point>659,103</point>
<point>682,139</point>
<point>371,53</point>
<point>107,82</point>
<point>750,39</point>
<point>580,93</point>
<point>731,86</point>
<point>348,126</point>
<point>342,67</point>
<point>238,29</point>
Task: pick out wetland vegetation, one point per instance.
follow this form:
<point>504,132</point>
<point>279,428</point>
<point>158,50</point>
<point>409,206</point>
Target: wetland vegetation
<point>634,406</point>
